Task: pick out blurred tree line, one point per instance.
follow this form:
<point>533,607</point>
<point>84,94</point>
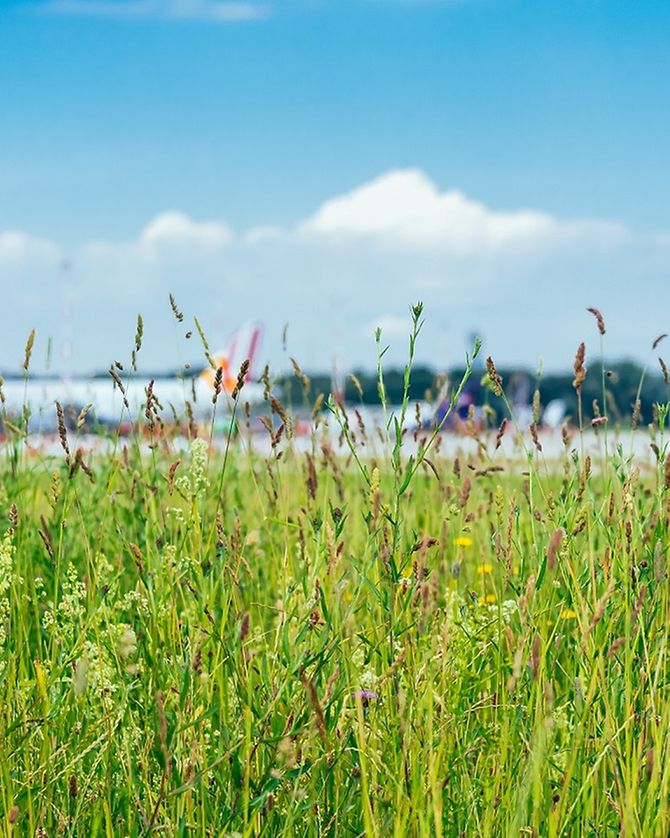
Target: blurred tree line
<point>621,385</point>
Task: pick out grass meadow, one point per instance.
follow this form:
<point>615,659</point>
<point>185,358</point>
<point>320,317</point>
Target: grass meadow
<point>360,635</point>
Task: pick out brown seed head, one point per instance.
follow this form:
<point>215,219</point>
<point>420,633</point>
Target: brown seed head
<point>496,380</point>
<point>241,378</point>
<point>599,319</point>
<point>501,433</point>
<point>534,436</point>
<point>637,414</point>
<point>62,433</point>
<point>580,369</point>
<point>218,378</point>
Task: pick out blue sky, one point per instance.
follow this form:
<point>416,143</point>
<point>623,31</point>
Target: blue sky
<point>114,113</point>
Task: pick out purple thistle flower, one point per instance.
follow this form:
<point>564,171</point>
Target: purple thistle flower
<point>366,696</point>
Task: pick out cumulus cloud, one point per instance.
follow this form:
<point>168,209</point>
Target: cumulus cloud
<point>221,11</point>
<point>520,278</point>
<point>407,207</point>
<point>176,228</point>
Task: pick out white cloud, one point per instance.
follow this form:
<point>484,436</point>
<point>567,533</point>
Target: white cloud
<point>221,11</point>
<point>520,278</point>
<point>406,207</point>
<point>262,234</point>
<point>17,247</point>
<point>176,228</point>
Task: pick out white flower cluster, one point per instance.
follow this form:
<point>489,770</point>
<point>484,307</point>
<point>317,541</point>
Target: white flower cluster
<point>69,614</point>
<point>179,563</point>
<point>134,601</point>
<point>195,481</point>
<point>7,550</point>
<point>95,669</point>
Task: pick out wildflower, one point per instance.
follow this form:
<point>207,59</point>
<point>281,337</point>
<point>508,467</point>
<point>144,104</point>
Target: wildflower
<point>484,568</point>
<point>70,611</point>
<point>463,541</point>
<point>488,600</point>
<point>101,676</point>
<point>568,614</point>
<point>7,550</point>
<point>366,696</point>
<point>509,609</point>
<point>368,680</point>
<point>193,483</point>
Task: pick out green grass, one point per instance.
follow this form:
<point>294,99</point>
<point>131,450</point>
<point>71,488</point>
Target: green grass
<point>184,649</point>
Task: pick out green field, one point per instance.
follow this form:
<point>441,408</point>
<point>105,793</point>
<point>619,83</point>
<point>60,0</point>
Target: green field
<point>338,641</point>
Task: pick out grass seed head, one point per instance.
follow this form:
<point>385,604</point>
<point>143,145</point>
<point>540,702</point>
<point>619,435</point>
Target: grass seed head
<point>494,378</point>
<point>241,378</point>
<point>599,319</point>
<point>28,350</point>
<point>175,309</point>
<point>579,368</point>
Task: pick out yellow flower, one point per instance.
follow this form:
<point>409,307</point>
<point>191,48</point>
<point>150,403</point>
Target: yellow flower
<point>568,614</point>
<point>490,598</point>
<point>484,568</point>
<point>463,541</point>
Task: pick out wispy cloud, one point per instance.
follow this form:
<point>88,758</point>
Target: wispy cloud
<point>217,11</point>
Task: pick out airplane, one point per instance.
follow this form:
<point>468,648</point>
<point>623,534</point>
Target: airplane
<point>110,406</point>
